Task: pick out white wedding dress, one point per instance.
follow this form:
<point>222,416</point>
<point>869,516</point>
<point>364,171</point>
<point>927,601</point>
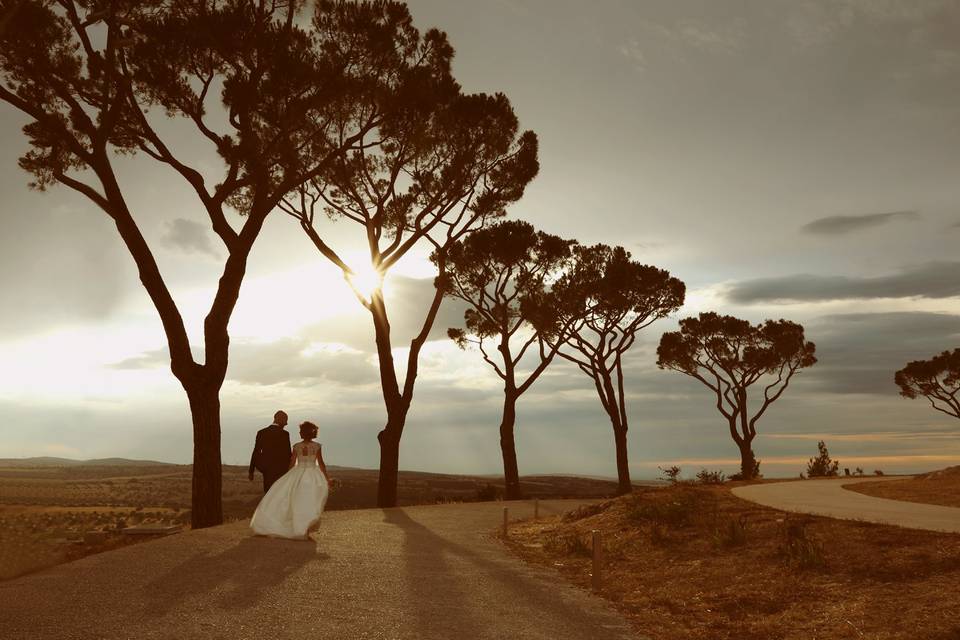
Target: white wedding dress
<point>295,501</point>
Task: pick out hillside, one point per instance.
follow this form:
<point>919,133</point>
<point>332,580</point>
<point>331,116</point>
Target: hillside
<point>48,461</point>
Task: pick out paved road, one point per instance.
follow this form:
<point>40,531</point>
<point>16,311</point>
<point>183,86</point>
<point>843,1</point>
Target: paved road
<point>417,572</point>
<point>829,498</point>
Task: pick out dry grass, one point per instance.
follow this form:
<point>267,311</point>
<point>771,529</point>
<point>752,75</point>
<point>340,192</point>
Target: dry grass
<point>939,487</point>
<point>695,562</point>
<point>46,510</point>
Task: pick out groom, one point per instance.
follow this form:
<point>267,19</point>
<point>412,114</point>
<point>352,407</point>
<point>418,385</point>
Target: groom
<point>271,453</point>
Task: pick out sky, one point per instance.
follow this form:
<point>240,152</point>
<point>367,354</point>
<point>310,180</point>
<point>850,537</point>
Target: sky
<point>785,159</point>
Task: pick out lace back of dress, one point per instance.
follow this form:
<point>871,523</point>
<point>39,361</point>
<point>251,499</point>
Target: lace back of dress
<point>306,452</point>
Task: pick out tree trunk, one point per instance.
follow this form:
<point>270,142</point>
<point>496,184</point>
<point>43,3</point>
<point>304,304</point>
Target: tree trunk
<point>623,466</point>
<point>207,504</point>
<point>748,461</point>
<point>614,405</point>
<point>389,438</point>
<point>511,473</point>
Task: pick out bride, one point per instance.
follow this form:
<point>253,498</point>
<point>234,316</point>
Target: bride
<point>292,506</point>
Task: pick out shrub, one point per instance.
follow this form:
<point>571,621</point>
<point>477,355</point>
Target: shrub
<point>710,477</point>
<point>675,512</point>
<point>488,493</point>
<point>822,466</point>
<point>670,474</point>
<point>586,511</point>
<point>877,472</point>
<point>566,544</point>
<point>731,532</point>
<point>797,547</point>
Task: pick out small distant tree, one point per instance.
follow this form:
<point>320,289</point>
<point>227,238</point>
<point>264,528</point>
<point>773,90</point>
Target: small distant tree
<point>729,355</point>
<point>936,379</point>
<point>502,273</point>
<point>610,299</point>
<point>823,466</point>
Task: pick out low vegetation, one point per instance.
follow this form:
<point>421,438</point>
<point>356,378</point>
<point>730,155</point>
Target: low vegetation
<point>51,514</point>
<point>823,466</point>
<point>691,561</point>
<point>938,487</point>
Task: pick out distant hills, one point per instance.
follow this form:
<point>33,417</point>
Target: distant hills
<point>41,462</point>
<point>49,461</point>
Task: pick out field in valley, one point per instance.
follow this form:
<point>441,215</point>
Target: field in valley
<point>55,511</point>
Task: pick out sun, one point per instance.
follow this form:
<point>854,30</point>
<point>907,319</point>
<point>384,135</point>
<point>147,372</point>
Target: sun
<point>365,279</point>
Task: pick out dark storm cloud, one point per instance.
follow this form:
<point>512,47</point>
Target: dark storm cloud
<point>840,225</point>
<point>859,352</point>
<point>188,236</point>
<point>936,279</point>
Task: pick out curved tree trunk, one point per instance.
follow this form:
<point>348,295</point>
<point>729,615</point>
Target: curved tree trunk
<point>508,447</point>
<point>614,405</point>
<point>397,402</point>
<point>396,406</point>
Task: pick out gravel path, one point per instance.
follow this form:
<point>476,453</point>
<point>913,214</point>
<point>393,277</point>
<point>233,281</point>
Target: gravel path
<point>416,572</point>
<point>829,498</point>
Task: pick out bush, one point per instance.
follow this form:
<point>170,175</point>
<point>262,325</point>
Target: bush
<point>710,477</point>
<point>675,512</point>
<point>670,474</point>
<point>567,544</point>
<point>877,472</point>
<point>586,511</point>
<point>488,493</point>
<point>731,532</point>
<point>822,466</point>
<point>797,547</point>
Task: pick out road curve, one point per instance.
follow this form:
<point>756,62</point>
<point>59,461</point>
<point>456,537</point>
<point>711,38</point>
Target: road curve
<point>829,498</point>
<point>426,572</point>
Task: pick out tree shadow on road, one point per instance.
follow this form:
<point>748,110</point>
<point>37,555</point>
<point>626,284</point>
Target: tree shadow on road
<point>437,587</point>
<point>236,578</point>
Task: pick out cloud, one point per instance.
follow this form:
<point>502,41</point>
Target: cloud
<point>60,264</point>
<point>679,37</point>
<point>291,361</point>
<point>632,51</point>
<point>936,279</point>
<point>859,352</point>
<point>839,225</point>
<point>188,236</point>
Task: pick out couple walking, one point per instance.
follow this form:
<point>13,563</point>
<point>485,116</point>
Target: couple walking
<point>295,481</point>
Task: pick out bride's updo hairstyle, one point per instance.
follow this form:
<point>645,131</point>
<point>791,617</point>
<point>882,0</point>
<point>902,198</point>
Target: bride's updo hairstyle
<point>308,430</point>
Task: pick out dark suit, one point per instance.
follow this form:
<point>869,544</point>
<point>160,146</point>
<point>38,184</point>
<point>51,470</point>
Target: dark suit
<point>271,454</point>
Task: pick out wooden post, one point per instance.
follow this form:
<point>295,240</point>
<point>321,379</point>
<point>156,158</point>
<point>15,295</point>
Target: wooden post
<point>536,508</point>
<point>597,559</point>
<point>505,522</point>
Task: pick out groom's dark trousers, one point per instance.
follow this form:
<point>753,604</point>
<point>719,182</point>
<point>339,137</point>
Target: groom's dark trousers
<point>271,454</point>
